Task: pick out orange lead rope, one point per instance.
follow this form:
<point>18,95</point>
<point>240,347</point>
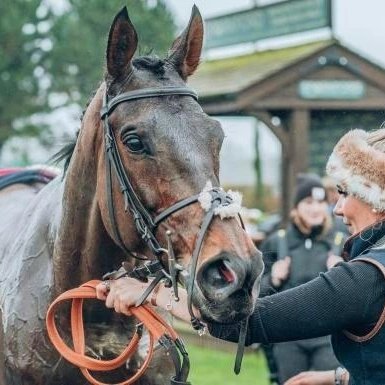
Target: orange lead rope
<point>157,327</point>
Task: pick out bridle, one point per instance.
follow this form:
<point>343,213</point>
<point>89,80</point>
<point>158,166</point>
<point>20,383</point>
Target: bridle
<point>145,224</point>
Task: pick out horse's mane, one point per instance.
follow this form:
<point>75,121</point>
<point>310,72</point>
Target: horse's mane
<point>65,153</point>
<point>150,63</point>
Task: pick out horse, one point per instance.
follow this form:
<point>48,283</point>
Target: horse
<point>85,223</point>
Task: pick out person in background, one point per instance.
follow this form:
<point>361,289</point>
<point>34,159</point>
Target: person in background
<point>347,301</point>
<point>296,255</point>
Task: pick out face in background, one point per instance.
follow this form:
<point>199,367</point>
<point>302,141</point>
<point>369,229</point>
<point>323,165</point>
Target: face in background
<point>356,214</point>
<point>332,196</point>
<point>312,211</point>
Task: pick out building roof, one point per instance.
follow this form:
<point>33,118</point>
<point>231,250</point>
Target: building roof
<point>230,75</point>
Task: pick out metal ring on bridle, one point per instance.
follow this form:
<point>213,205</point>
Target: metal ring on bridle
<point>107,285</point>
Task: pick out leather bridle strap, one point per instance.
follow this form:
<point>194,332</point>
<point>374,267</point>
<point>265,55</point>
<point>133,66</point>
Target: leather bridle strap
<point>218,198</point>
<point>158,329</point>
<point>111,211</point>
<point>174,208</point>
<point>241,345</point>
<point>194,261</point>
<point>146,93</point>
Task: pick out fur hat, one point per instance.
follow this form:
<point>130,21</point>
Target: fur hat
<point>359,168</point>
<point>309,185</point>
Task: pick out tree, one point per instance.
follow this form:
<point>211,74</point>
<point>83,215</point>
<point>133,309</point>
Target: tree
<point>23,27</point>
<point>77,59</point>
<point>50,58</point>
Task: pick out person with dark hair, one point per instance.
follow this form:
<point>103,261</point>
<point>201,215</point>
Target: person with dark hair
<point>293,256</point>
<point>347,301</point>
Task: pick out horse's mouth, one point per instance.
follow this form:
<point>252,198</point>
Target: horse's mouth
<point>235,308</point>
<point>226,288</point>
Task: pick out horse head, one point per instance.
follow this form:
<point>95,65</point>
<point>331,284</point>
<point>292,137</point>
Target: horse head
<point>146,145</point>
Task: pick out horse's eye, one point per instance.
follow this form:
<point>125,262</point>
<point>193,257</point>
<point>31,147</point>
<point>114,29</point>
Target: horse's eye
<point>134,143</point>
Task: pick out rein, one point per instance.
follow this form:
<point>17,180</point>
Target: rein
<point>159,332</point>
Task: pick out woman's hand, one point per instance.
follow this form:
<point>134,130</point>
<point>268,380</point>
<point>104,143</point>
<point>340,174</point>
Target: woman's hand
<point>280,271</point>
<point>312,378</point>
<point>121,294</point>
<point>333,260</point>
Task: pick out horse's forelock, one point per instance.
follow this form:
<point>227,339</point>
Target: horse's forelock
<point>150,63</point>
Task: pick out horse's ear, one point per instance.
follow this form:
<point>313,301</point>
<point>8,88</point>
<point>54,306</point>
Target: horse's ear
<point>122,44</point>
<point>186,50</point>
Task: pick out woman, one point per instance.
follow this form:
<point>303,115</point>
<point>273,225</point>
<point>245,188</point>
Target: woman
<point>296,255</point>
<point>347,301</point>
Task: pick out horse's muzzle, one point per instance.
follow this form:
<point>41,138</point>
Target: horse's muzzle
<point>227,284</point>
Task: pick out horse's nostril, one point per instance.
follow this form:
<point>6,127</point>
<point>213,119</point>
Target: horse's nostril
<point>226,273</point>
<point>219,274</point>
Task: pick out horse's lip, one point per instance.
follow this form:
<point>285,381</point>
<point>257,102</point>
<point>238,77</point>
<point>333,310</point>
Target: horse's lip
<point>234,311</point>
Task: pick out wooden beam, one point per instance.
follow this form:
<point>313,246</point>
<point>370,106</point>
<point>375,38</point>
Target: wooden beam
<point>286,160</point>
<point>278,129</point>
<point>299,126</point>
<point>294,158</point>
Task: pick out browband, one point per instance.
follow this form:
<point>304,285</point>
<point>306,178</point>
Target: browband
<point>109,106</point>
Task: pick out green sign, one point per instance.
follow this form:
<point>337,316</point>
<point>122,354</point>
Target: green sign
<point>272,20</point>
<point>331,89</point>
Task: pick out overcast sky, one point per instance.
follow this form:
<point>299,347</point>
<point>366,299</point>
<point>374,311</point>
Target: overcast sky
<point>357,23</point>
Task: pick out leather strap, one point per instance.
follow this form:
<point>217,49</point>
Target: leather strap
<point>154,295</point>
<point>381,320</point>
<point>158,330</point>
<point>241,345</point>
<point>111,211</point>
<point>144,94</point>
<point>174,208</point>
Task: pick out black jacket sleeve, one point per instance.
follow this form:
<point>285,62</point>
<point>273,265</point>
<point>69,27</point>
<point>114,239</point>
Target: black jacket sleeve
<point>348,296</point>
<point>270,256</point>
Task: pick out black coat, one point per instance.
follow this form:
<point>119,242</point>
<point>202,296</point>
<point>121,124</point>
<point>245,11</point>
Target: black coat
<point>308,253</point>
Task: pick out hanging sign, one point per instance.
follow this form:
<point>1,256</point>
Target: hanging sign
<point>267,21</point>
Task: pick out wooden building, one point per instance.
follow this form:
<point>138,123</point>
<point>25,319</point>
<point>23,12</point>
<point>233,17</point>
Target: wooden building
<point>308,95</point>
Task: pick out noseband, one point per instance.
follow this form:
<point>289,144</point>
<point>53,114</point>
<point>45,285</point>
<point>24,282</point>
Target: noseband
<point>145,224</point>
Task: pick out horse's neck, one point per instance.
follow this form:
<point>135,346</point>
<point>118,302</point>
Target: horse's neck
<point>83,249</point>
